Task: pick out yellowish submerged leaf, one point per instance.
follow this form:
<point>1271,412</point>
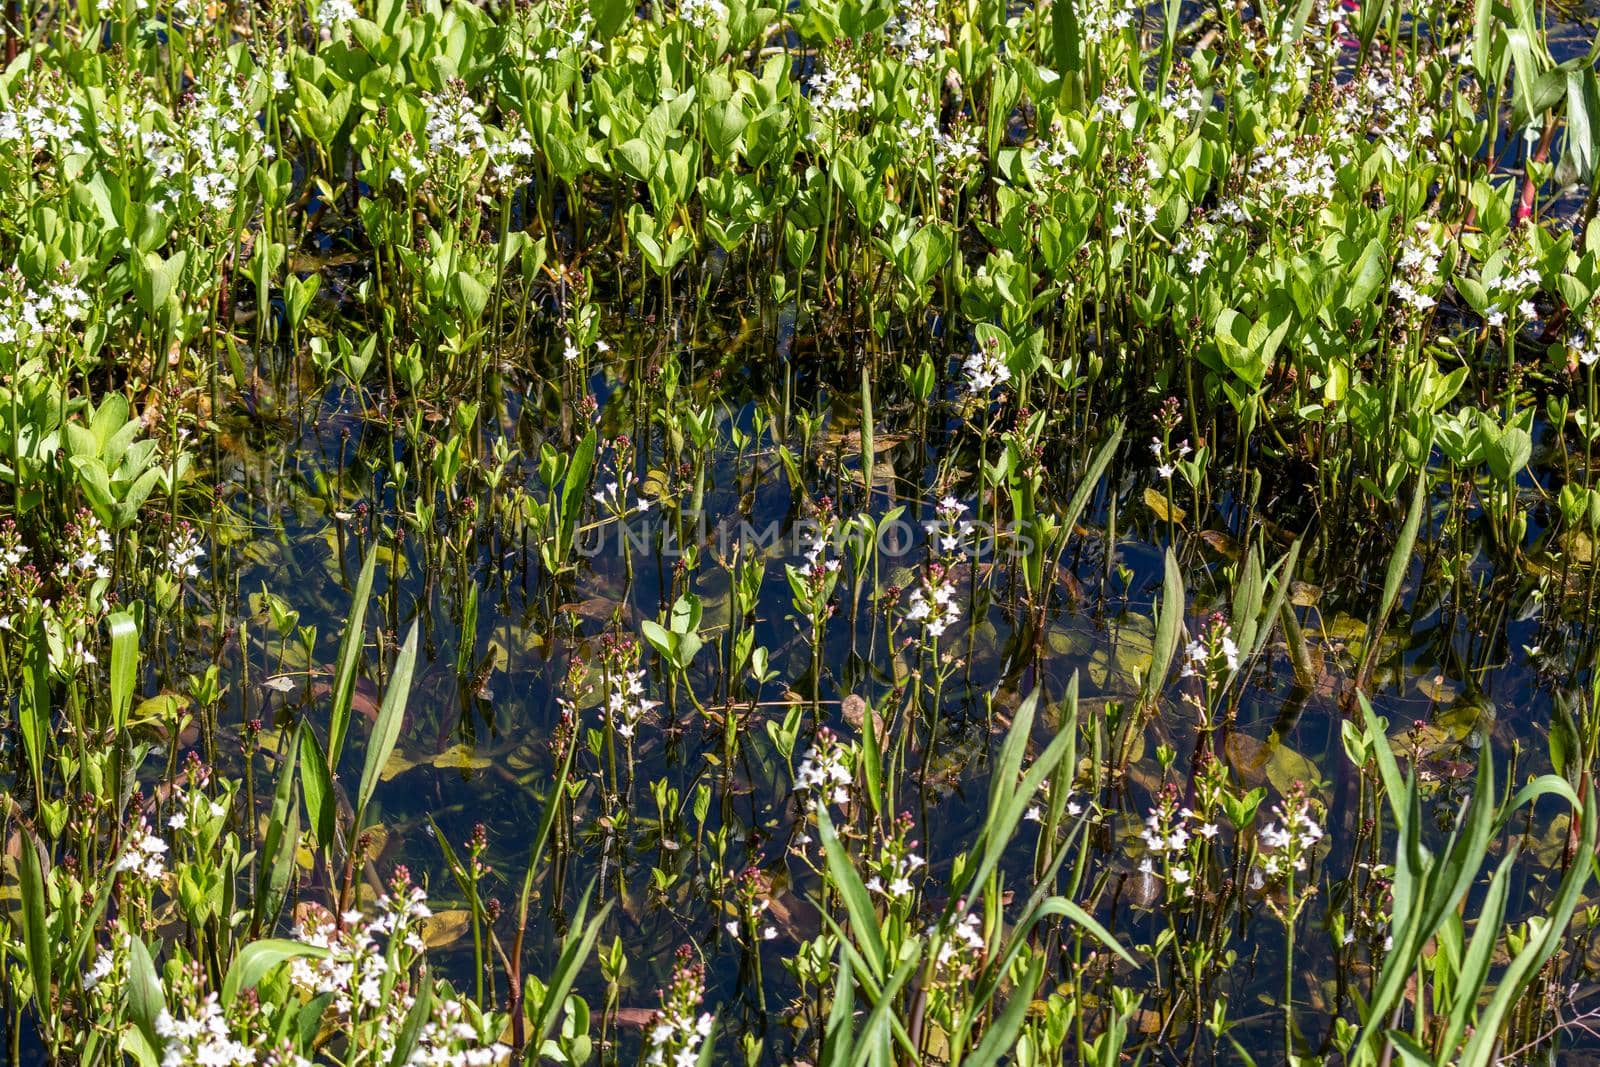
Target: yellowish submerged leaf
<point>459,758</point>
<point>443,927</point>
<point>1164,509</point>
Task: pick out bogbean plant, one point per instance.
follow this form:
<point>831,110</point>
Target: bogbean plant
<point>1303,245</point>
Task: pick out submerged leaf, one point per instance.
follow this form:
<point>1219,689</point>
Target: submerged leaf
<point>1164,509</point>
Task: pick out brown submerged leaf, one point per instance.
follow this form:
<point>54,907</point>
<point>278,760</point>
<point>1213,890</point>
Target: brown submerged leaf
<point>443,927</point>
<point>1267,761</point>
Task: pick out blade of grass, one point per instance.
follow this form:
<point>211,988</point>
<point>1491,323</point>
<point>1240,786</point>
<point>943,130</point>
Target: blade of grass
<point>350,646</point>
<point>386,729</point>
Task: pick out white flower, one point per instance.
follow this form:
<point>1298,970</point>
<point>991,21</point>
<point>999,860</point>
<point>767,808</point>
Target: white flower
<point>824,770</point>
<point>985,371</point>
<point>101,968</point>
<point>933,604</point>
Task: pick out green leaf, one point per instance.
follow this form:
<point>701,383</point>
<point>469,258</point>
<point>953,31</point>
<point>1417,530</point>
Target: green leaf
<point>1066,37</point>
<point>858,905</point>
<point>33,708</point>
<point>391,717</point>
<point>573,488</point>
<point>1169,632</point>
<point>344,677</point>
<point>124,666</point>
<point>565,972</point>
<point>146,1000</point>
<point>317,784</point>
<point>259,957</point>
<point>471,295</point>
<point>279,843</point>
<point>416,1018</point>
<point>39,945</point>
<point>1002,1033</point>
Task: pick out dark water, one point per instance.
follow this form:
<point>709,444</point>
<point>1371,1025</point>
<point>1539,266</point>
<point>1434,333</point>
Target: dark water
<point>476,748</point>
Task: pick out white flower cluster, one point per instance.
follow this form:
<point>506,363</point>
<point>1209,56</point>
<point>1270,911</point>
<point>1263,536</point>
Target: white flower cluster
<point>209,154</point>
<point>87,548</point>
<point>1073,808</point>
<point>955,154</point>
<point>835,94</point>
<point>967,935</point>
<point>1055,155</point>
<point>985,370</point>
<point>1186,103</point>
<point>1102,21</point>
<point>768,932</point>
<point>34,316</point>
<point>1167,462</point>
<point>1138,185</point>
<point>1169,833</point>
<point>614,495</point>
<point>104,964</point>
<point>367,971</point>
<point>1213,650</point>
<point>1162,833</point>
<point>1416,278</point>
<point>825,771</point>
<point>578,37</point>
<point>451,1039</point>
<point>455,130</point>
<point>961,946</point>
<point>1116,102</point>
<point>356,965</point>
<point>1514,286</point>
<point>455,123</point>
<point>815,551</point>
<point>680,1028</point>
<point>934,604</point>
<point>753,900</point>
<point>625,703</point>
<point>144,855</point>
<point>509,159</point>
<point>1390,114</point>
<point>202,1036</point>
<point>686,1031</point>
<point>195,811</point>
<point>703,14</point>
<point>107,970</point>
<point>331,13</point>
<point>1290,170</point>
<point>179,558</point>
<point>915,33</point>
<point>1286,843</point>
<point>893,876</point>
<point>950,527</point>
<point>48,124</point>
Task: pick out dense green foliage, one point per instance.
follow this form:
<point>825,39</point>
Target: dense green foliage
<point>1202,353</point>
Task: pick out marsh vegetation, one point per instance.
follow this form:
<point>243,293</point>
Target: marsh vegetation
<point>942,532</point>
